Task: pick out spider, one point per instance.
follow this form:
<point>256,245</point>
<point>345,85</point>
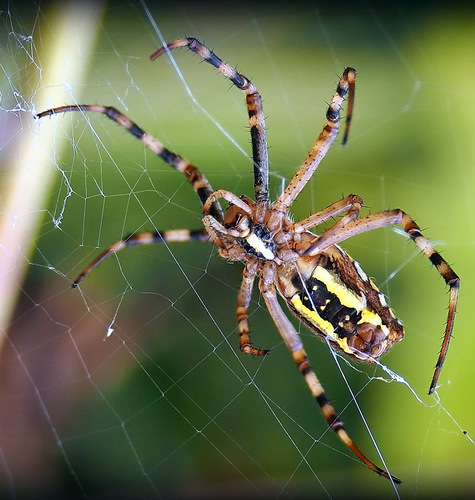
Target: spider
<point>319,282</point>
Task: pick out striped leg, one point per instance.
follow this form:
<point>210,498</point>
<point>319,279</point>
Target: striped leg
<point>324,141</point>
<point>243,300</point>
<point>353,204</point>
<point>254,108</point>
<point>330,212</point>
<point>294,345</point>
<point>388,218</point>
<point>198,181</point>
<point>172,236</point>
<point>450,278</point>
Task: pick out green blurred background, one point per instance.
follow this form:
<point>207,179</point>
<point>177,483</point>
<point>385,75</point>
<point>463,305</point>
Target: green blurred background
<point>167,404</point>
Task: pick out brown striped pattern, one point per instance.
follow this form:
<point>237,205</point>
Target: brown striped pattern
<point>243,300</point>
<point>254,108</point>
<point>294,345</point>
<point>198,181</point>
<point>171,236</point>
<point>323,142</point>
<point>452,280</point>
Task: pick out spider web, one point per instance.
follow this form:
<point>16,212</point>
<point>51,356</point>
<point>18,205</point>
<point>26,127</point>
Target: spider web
<point>134,382</point>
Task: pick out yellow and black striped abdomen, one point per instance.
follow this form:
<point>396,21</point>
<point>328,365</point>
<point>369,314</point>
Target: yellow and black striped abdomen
<point>335,299</point>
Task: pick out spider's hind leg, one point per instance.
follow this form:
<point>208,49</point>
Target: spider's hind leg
<point>294,345</point>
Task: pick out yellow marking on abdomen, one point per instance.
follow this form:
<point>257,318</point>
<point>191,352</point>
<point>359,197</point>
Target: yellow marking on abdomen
<point>345,295</point>
<point>323,325</point>
<point>368,316</point>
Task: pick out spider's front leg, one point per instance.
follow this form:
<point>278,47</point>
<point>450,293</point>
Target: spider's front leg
<point>345,86</point>
<point>198,181</point>
<point>254,108</point>
<point>295,346</point>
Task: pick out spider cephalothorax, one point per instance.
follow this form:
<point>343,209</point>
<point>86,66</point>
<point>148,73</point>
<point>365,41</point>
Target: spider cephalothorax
<point>320,283</point>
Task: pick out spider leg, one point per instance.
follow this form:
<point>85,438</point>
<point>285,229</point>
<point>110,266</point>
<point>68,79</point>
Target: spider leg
<point>388,218</point>
<point>172,236</point>
<point>324,141</point>
<point>243,300</point>
<point>198,181</point>
<point>350,204</point>
<point>294,345</point>
<point>229,197</point>
<point>353,211</point>
<point>254,108</point>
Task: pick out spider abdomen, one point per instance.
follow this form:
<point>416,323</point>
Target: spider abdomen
<point>332,296</point>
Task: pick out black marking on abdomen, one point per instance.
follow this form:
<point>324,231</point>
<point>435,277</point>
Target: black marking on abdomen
<point>316,297</point>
